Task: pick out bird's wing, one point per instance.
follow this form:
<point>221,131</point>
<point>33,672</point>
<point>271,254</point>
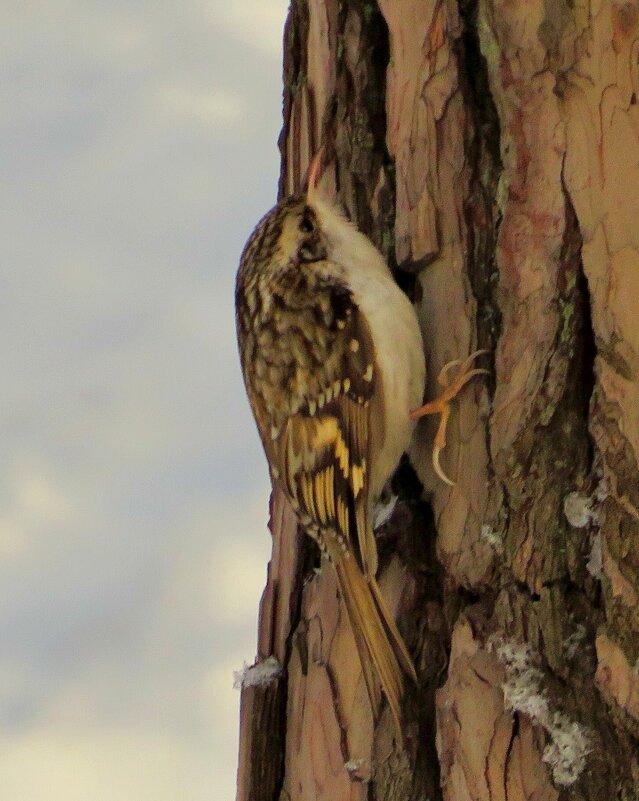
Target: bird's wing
<point>324,453</point>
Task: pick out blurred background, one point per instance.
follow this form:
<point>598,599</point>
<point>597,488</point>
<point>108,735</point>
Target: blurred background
<point>137,144</point>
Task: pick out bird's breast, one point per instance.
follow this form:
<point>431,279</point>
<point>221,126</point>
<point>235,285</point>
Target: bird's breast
<point>400,363</point>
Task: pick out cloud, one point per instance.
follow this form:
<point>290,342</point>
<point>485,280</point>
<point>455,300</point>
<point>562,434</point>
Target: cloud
<point>32,504</point>
<point>227,556</point>
<point>209,107</point>
<point>256,23</point>
<point>112,763</point>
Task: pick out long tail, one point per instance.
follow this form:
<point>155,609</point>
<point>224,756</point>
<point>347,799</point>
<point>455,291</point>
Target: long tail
<point>382,652</point>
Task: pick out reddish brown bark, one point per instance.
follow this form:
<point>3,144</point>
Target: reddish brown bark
<point>491,150</point>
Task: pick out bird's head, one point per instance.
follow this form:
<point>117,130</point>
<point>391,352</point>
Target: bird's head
<point>301,239</point>
<point>291,232</point>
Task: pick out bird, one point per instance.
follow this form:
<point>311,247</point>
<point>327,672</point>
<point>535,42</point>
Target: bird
<point>333,363</point>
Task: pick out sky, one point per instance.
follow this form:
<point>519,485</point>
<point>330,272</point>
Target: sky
<point>137,151</point>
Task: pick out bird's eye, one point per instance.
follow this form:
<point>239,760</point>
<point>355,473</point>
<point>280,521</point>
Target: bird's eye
<point>306,225</point>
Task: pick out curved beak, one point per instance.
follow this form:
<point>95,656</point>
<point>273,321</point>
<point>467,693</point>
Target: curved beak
<point>313,173</point>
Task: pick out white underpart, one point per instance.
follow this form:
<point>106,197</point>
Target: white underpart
<point>394,329</point>
<point>382,512</point>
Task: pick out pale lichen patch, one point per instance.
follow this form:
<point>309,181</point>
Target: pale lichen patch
<point>523,689</point>
<point>258,675</point>
<point>579,510</point>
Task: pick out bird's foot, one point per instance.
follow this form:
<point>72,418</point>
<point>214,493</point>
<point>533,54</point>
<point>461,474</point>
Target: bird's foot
<point>441,405</point>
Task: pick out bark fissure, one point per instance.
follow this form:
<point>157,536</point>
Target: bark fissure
<point>411,534</point>
<point>481,210</point>
<point>364,172</point>
<point>514,732</point>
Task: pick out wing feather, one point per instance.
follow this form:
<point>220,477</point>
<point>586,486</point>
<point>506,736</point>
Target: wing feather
<point>324,451</point>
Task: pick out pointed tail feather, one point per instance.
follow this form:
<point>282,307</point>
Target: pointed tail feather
<point>393,632</point>
<point>382,652</point>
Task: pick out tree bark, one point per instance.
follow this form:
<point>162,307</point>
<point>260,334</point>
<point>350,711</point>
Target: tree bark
<point>491,150</point>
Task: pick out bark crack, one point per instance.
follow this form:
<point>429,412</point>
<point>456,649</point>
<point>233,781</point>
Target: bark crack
<point>514,731</point>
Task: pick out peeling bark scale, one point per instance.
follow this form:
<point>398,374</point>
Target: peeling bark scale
<point>490,148</point>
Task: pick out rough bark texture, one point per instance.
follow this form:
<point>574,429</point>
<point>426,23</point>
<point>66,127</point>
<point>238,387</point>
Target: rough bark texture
<point>491,149</point>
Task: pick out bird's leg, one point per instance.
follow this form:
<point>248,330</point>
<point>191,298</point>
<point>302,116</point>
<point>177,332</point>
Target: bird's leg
<point>441,405</point>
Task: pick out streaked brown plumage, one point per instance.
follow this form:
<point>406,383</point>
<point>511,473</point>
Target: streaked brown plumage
<point>333,363</point>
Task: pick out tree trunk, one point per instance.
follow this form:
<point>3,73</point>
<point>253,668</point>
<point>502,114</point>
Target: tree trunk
<point>490,149</point>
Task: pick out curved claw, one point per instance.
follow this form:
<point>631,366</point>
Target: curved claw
<point>438,469</point>
<point>470,374</point>
<point>442,378</point>
<point>475,354</point>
